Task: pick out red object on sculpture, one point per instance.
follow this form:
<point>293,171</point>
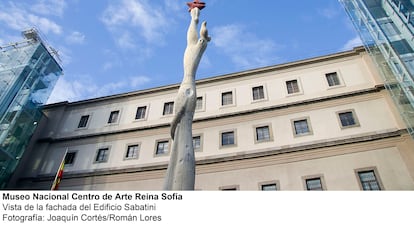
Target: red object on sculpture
<point>196,3</point>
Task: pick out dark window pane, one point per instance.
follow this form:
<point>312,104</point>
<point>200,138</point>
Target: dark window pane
<point>292,86</point>
<point>227,98</point>
<point>368,180</point>
<point>83,121</point>
<point>262,133</point>
<point>301,127</point>
<point>113,117</point>
<point>70,157</point>
<point>347,118</point>
<point>141,112</point>
<point>132,151</point>
<point>258,93</point>
<point>269,187</point>
<point>314,184</point>
<point>168,108</point>
<point>332,79</point>
<point>227,138</point>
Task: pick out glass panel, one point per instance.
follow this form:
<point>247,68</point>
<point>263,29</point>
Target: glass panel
<point>332,79</point>
<point>162,147</point>
<point>70,157</point>
<point>83,121</point>
<point>132,151</point>
<point>347,119</point>
<point>227,138</point>
<point>314,184</point>
<point>269,187</point>
<point>140,112</point>
<point>197,142</point>
<point>301,127</point>
<point>168,108</point>
<point>199,103</point>
<point>262,133</point>
<point>292,86</point>
<point>258,93</point>
<point>368,180</point>
<point>102,155</point>
<point>113,118</point>
<point>226,98</point>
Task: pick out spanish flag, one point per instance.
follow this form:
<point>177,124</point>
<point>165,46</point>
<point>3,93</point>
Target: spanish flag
<point>59,173</point>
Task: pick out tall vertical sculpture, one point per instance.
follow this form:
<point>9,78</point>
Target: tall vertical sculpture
<point>181,169</point>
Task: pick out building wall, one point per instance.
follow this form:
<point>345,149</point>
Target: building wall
<point>377,140</point>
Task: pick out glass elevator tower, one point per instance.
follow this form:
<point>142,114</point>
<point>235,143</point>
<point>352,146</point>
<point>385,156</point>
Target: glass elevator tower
<point>386,28</point>
<point>28,72</point>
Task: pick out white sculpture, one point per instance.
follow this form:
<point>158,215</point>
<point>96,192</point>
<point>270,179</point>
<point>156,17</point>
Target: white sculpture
<point>181,169</point>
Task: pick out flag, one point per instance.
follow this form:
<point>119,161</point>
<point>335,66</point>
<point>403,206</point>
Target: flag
<point>59,173</point>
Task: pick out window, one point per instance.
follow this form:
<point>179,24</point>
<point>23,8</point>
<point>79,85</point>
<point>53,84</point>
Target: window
<point>199,103</point>
<point>347,119</point>
<point>168,108</point>
<point>102,155</point>
<point>141,112</point>
<point>301,127</point>
<point>70,158</point>
<point>197,142</point>
<point>263,134</point>
<point>113,117</point>
<point>368,180</point>
<point>229,188</point>
<point>132,151</point>
<point>258,93</point>
<point>83,121</point>
<point>269,187</point>
<point>162,147</point>
<point>314,184</point>
<point>227,98</point>
<point>292,86</point>
<point>333,79</point>
<point>227,138</point>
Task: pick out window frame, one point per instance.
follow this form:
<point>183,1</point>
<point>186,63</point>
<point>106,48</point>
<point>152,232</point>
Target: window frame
<point>203,104</point>
<point>275,182</point>
<point>309,125</point>
<point>264,92</point>
<point>233,98</point>
<point>75,153</point>
<point>234,131</point>
<point>354,116</point>
<point>256,127</point>
<point>299,86</point>
<point>110,121</point>
<point>230,188</point>
<point>87,121</point>
<point>165,153</point>
<point>201,142</point>
<point>108,148</point>
<point>313,177</point>
<point>171,111</point>
<point>339,77</point>
<point>146,113</point>
<point>127,151</point>
<point>376,174</point>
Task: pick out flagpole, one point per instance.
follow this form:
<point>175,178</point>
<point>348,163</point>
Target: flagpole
<point>58,176</point>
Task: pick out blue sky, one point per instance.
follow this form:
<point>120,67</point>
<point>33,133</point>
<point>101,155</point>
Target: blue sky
<point>109,47</point>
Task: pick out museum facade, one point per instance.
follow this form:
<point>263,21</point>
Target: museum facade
<point>323,123</point>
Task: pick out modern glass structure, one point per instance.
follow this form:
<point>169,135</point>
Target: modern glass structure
<point>28,72</point>
<point>386,28</point>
